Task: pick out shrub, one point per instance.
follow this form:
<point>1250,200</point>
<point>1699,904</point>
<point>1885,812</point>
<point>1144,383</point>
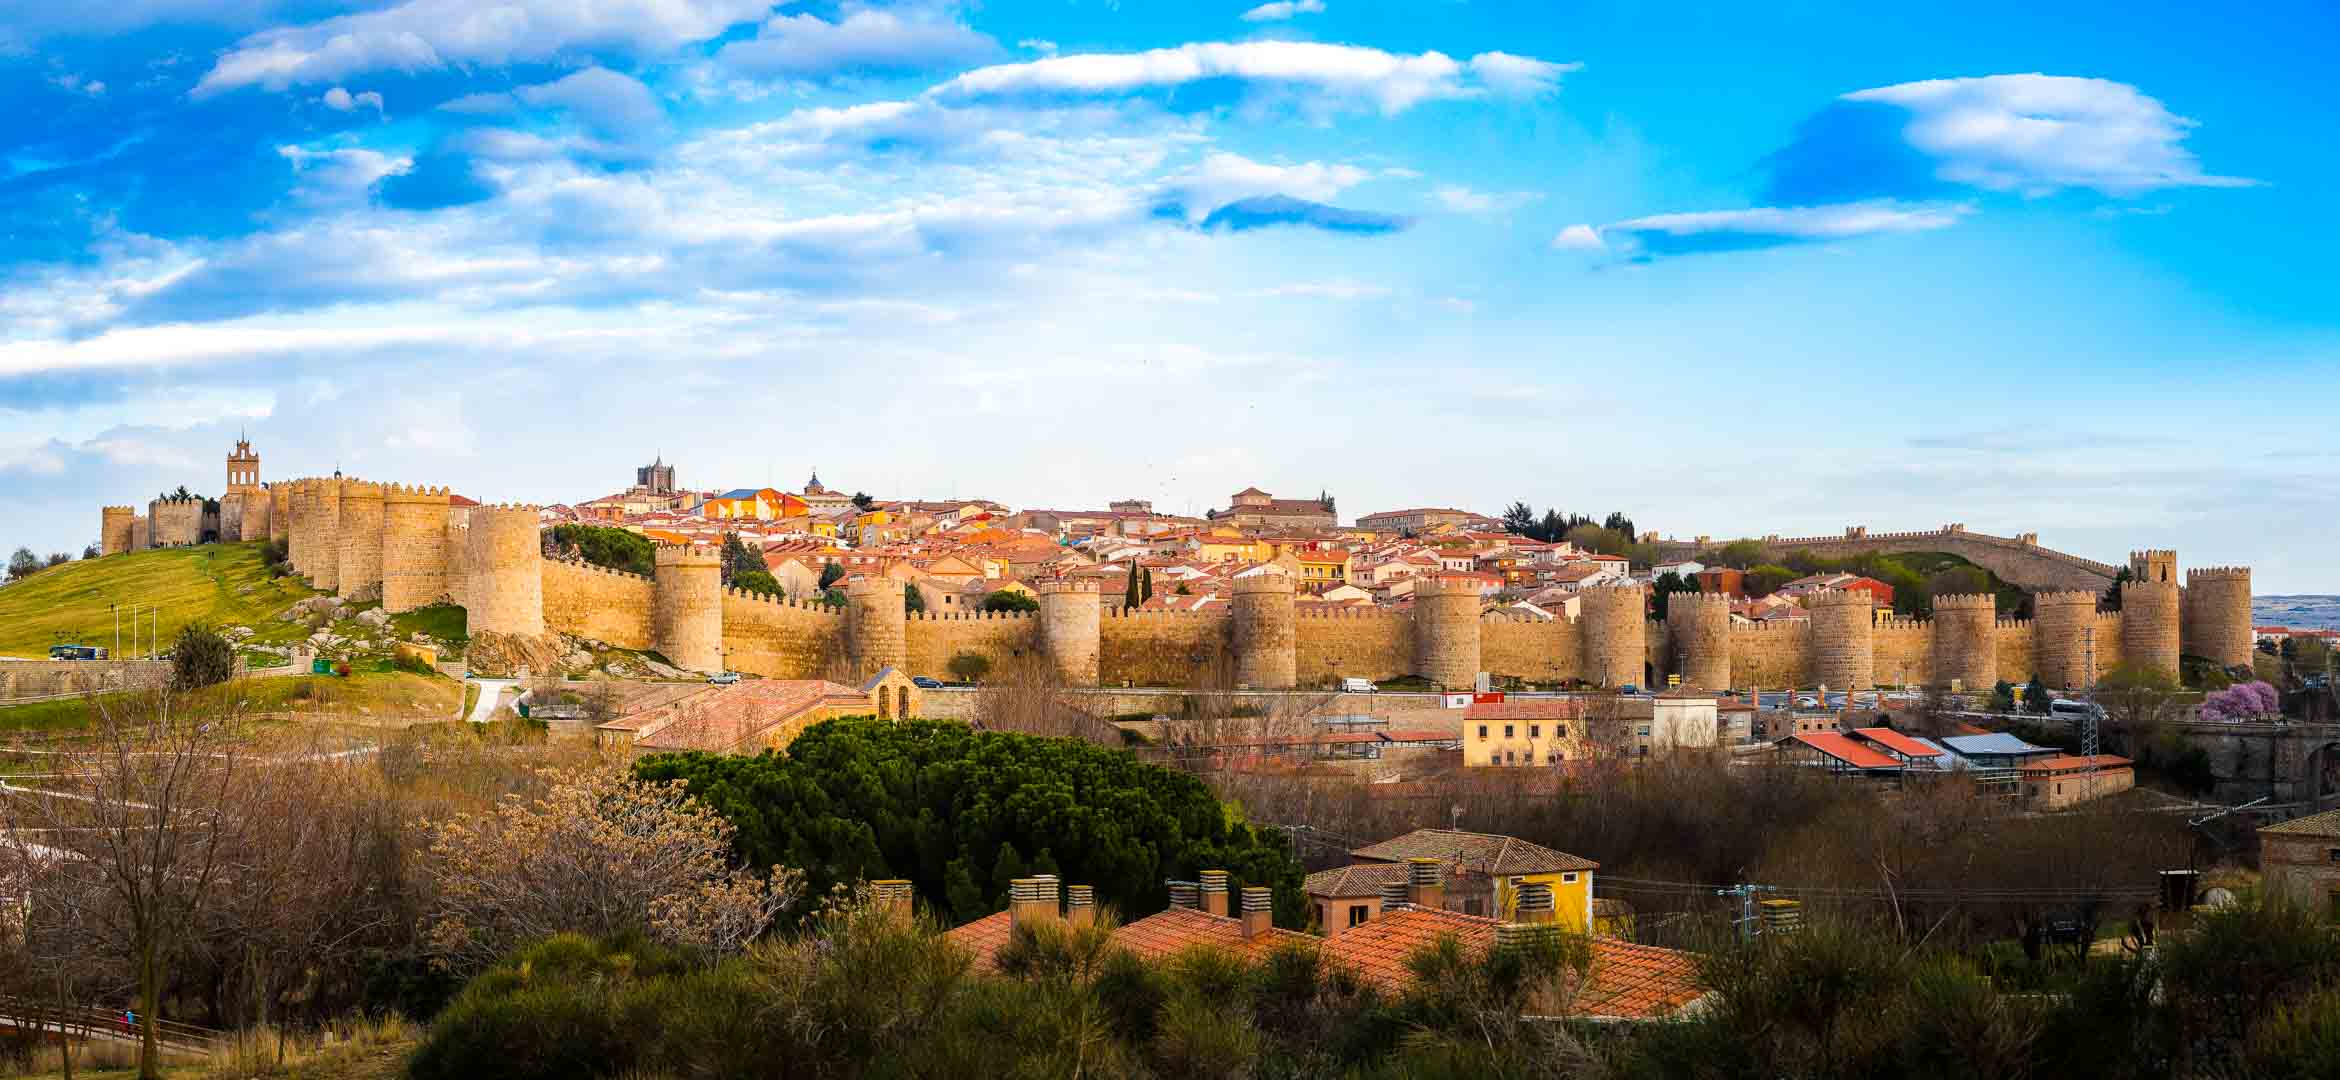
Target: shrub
<point>200,657</point>
<point>970,667</point>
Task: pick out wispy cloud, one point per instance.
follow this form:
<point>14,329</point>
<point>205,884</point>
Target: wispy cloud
<point>867,41</point>
<point>1758,227</point>
<point>1330,75</point>
<point>1279,10</point>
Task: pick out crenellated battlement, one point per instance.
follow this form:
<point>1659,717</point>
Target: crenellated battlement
<point>1067,585</point>
<point>2064,600</point>
<point>1966,602</point>
<point>815,607</point>
<point>119,510</point>
<point>597,568</point>
<point>1264,583</point>
<point>1831,598</point>
<point>971,616</point>
<point>360,489</point>
<point>414,494</point>
<point>1323,612</point>
<point>2218,573</point>
<point>1146,613</point>
<point>687,555</point>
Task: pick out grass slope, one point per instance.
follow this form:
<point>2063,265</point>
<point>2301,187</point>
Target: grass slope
<point>219,584</point>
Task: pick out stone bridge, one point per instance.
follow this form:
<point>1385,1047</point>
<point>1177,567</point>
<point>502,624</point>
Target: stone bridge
<point>2018,560</point>
<point>2288,763</point>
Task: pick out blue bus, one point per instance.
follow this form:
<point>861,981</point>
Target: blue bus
<point>76,652</point>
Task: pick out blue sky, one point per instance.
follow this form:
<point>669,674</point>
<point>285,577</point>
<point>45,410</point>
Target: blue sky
<point>1774,268</point>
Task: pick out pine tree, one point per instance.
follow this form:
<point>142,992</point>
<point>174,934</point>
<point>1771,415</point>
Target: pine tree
<point>1129,596</point>
<point>1148,593</point>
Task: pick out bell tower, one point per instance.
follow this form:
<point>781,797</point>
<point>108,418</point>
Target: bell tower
<point>243,466</point>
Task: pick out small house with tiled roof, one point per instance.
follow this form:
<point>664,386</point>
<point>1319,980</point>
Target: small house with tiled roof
<point>2300,860</point>
<point>755,715</point>
<point>1483,872</point>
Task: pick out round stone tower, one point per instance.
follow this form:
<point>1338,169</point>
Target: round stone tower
<point>686,609</point>
<point>2060,623</point>
<point>361,541</point>
<point>1446,631</point>
<point>876,624</point>
<point>1843,639</point>
<point>325,554</point>
<point>1966,640</point>
<point>506,595</point>
<point>2219,598</point>
<point>1266,637</point>
<point>2149,624</point>
<point>1700,625</point>
<point>1612,629</point>
<point>414,547</point>
<point>114,523</point>
<point>1069,628</point>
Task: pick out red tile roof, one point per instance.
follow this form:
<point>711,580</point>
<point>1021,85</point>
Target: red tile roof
<point>1378,950</point>
<point>1845,750</point>
<point>1354,880</point>
<point>1638,981</point>
<point>1898,742</point>
<point>1159,936</point>
<point>1479,853</point>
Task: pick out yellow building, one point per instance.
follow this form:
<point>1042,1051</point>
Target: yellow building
<point>1523,732</point>
<point>759,504</point>
<point>1482,873</point>
<point>1225,547</point>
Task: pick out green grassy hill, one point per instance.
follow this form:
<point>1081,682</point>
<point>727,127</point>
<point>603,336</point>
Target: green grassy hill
<point>220,584</point>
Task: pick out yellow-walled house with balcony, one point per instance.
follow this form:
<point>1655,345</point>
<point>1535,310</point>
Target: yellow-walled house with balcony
<point>758,504</point>
<point>1483,872</point>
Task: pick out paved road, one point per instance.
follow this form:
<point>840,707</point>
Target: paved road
<point>490,690</point>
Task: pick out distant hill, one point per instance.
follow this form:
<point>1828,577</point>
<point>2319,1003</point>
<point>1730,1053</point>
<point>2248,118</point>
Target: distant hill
<point>2304,611</point>
<point>220,584</point>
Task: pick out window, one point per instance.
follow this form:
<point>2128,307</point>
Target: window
<point>2334,854</point>
<point>1482,731</point>
<point>1568,879</point>
<point>1322,917</point>
<point>1535,731</point>
<point>1642,730</point>
<point>1357,915</point>
<point>1554,757</point>
<point>1507,730</point>
<point>1559,731</point>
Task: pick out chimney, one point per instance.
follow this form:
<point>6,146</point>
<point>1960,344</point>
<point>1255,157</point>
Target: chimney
<point>1522,936</point>
<point>1214,893</point>
<point>1259,910</point>
<point>1185,894</point>
<point>1032,900</point>
<point>893,896</point>
<point>1534,904</point>
<point>1425,883</point>
<point>1080,905</point>
<point>1393,895</point>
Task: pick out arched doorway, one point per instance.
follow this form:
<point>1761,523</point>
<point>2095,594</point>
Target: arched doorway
<point>2322,780</point>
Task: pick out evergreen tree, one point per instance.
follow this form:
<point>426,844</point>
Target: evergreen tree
<point>1520,520</point>
<point>1149,583</point>
<point>830,573</point>
<point>2112,596</point>
<point>913,601</point>
<point>738,558</point>
<point>1130,596</point>
<point>2036,698</point>
<point>1006,867</point>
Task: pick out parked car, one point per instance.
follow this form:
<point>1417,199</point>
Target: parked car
<point>724,679</point>
<point>925,683</point>
<point>1359,686</point>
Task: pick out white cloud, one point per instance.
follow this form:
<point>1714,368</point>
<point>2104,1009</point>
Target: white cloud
<point>2040,133</point>
<point>1762,226</point>
<point>1329,290</point>
<point>127,451</point>
<point>1043,46</point>
<point>1578,238</point>
<point>1519,76</point>
<point>1335,74</point>
<point>339,99</point>
<point>1279,10</point>
<point>1463,200</point>
<point>430,35</point>
<point>1221,178</point>
<point>341,173</point>
<point>613,105</point>
<point>868,40</point>
<point>78,85</point>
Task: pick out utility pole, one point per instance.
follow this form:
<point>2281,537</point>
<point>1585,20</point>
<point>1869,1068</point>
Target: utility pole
<point>117,610</point>
<point>1746,895</point>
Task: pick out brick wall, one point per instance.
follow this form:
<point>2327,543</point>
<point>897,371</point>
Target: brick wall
<point>40,678</point>
<point>781,640</point>
<point>1352,644</point>
<point>593,602</point>
<point>1538,650</point>
<point>1159,648</point>
<point>1000,636</point>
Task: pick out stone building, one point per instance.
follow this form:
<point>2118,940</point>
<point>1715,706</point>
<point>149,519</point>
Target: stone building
<point>1252,508</point>
<point>2300,860</point>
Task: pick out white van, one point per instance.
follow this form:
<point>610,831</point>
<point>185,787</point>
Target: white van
<point>1358,686</point>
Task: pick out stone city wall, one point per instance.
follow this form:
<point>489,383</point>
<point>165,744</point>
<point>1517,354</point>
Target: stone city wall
<point>1001,637</point>
<point>1525,647</point>
<point>1350,643</point>
<point>114,524</point>
<point>1162,648</point>
<point>176,522</point>
<point>782,639</point>
<point>595,602</point>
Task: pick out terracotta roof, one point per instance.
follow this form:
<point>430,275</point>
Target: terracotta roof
<point>2074,763</point>
<point>1478,853</point>
<point>1524,709</point>
<point>1638,982</point>
<point>2324,824</point>
<point>1844,749</point>
<point>728,718</point>
<point>1355,879</point>
<point>1159,936</point>
<point>1377,951</point>
<point>1898,742</point>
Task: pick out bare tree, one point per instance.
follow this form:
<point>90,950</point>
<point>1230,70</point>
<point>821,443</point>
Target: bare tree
<point>598,853</point>
<point>1026,695</point>
<point>145,822</point>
